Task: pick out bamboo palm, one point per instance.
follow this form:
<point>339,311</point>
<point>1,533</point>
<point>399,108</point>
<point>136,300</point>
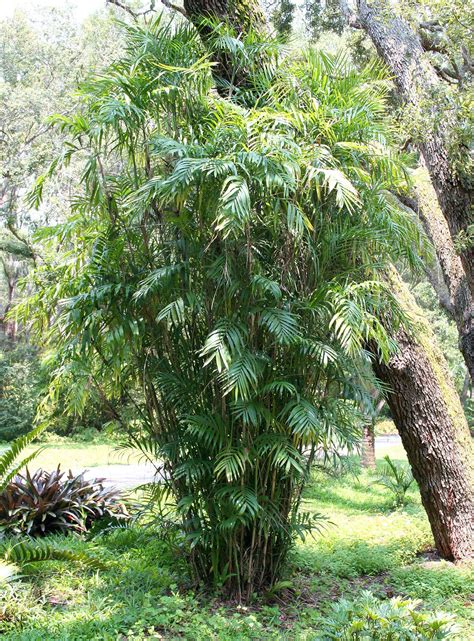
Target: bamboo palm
<point>220,269</point>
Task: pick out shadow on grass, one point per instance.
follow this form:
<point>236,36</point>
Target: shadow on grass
<point>356,558</point>
<point>363,502</point>
<point>349,493</point>
<point>355,492</point>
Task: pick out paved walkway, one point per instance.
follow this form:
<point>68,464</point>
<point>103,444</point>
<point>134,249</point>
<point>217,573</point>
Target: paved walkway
<point>128,476</point>
<point>122,476</point>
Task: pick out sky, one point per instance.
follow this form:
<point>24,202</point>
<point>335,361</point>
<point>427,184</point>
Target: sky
<point>82,8</point>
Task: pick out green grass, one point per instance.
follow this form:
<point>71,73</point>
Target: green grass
<point>76,456</point>
<point>396,452</point>
<point>145,593</point>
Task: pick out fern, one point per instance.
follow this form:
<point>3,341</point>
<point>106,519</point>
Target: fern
<point>397,479</point>
<point>24,552</point>
<point>10,464</point>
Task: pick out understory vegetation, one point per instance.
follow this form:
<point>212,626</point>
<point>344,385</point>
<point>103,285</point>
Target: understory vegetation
<point>145,590</point>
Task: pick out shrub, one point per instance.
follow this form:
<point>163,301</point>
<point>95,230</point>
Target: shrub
<point>21,381</point>
<point>213,286</point>
<point>48,502</point>
<point>15,553</point>
<point>384,427</point>
<point>370,619</point>
<point>398,479</point>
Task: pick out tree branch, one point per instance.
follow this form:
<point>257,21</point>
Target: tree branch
<point>136,14</point>
<point>175,7</point>
<point>122,5</point>
<point>349,16</point>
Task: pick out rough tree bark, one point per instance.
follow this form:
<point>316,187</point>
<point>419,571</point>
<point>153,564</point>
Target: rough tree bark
<point>460,303</point>
<point>367,458</point>
<point>368,445</point>
<point>9,327</point>
<point>402,51</point>
<point>243,16</point>
<point>427,412</point>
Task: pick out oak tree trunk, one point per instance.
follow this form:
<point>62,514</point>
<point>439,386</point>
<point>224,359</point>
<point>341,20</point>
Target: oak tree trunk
<point>402,51</point>
<point>242,16</point>
<point>460,303</point>
<point>429,417</point>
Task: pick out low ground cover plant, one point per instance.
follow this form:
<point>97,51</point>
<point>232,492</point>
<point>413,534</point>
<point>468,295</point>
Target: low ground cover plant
<point>146,591</point>
<point>370,619</point>
<point>398,479</point>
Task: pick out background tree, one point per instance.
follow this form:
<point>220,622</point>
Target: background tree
<point>42,57</point>
<point>442,38</point>
<point>443,137</point>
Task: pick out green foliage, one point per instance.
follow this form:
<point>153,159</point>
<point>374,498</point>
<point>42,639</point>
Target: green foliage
<point>21,553</point>
<point>21,383</point>
<point>16,555</point>
<point>24,376</point>
<point>145,589</point>
<point>323,16</point>
<point>221,271</point>
<point>43,53</point>
<point>283,17</point>
<point>385,426</point>
<point>369,619</point>
<point>10,460</point>
<point>13,246</point>
<point>441,580</point>
<point>46,502</point>
<point>398,479</point>
<point>469,411</point>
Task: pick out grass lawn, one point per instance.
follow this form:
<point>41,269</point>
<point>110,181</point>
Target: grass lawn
<point>145,592</point>
<point>77,456</point>
<point>395,451</point>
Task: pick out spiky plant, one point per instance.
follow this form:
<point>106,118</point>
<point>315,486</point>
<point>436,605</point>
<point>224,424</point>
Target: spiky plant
<point>398,479</point>
<point>220,270</point>
<point>14,552</point>
<point>39,503</point>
